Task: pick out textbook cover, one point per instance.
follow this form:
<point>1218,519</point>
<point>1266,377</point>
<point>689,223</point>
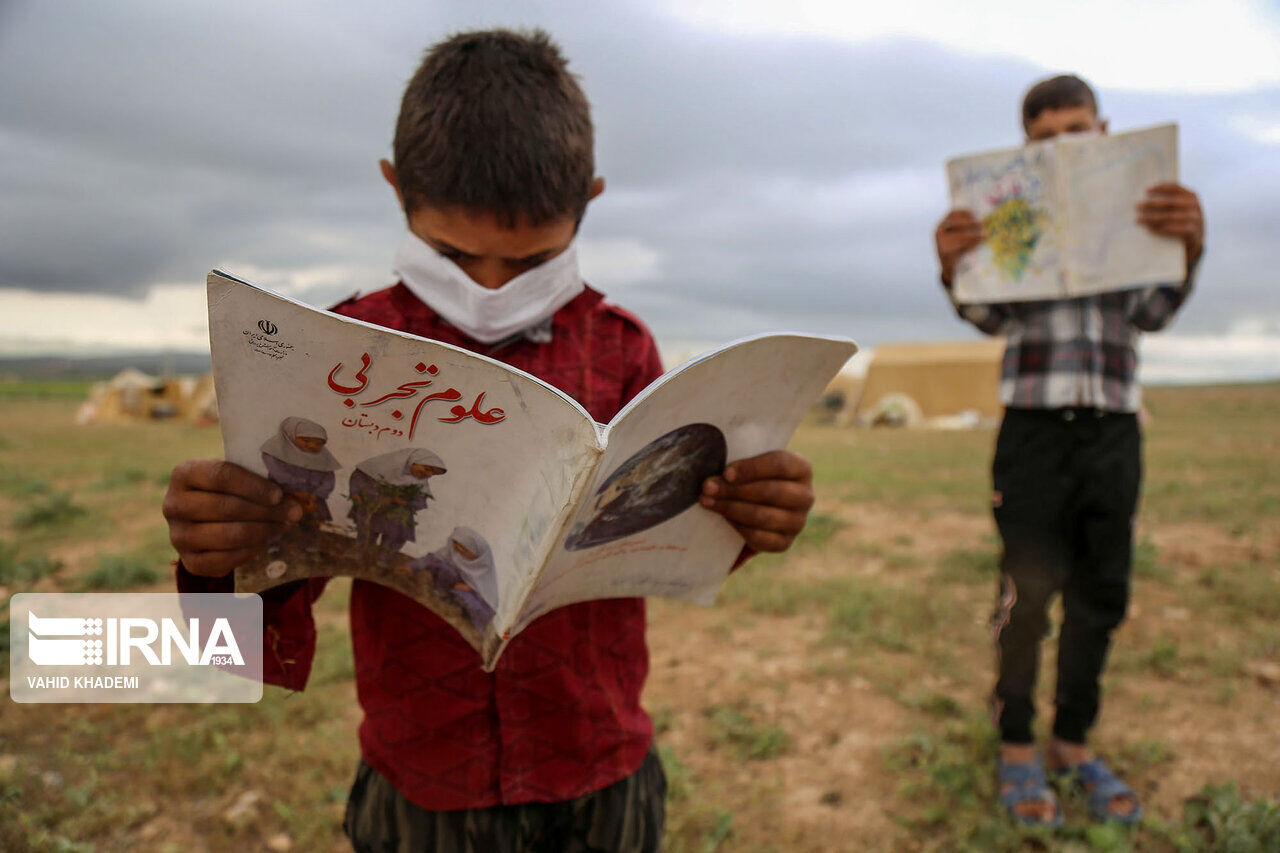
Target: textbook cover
<point>1059,217</point>
<point>480,491</point>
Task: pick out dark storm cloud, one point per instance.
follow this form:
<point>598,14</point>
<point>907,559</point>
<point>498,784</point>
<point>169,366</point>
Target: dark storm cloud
<point>143,143</point>
<point>784,182</point>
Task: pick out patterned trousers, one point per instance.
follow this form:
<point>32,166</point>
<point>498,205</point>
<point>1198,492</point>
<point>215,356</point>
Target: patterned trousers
<point>627,816</point>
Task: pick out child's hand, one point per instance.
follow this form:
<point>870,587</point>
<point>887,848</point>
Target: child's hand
<point>766,498</point>
<point>957,233</point>
<point>1174,211</point>
<point>221,515</point>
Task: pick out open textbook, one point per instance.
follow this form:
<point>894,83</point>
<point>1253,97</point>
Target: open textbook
<point>1059,217</point>
<point>483,492</point>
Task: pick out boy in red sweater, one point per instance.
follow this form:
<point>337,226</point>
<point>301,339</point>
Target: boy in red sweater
<point>494,168</point>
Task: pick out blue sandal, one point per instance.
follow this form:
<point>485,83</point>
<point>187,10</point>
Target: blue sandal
<point>1028,786</point>
<point>1100,785</point>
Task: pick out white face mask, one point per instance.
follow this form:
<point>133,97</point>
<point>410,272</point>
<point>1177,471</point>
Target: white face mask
<point>488,315</point>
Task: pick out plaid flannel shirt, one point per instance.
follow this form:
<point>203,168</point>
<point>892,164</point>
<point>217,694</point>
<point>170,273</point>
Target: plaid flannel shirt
<point>1076,352</point>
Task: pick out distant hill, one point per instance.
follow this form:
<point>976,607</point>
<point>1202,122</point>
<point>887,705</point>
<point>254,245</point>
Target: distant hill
<point>100,367</point>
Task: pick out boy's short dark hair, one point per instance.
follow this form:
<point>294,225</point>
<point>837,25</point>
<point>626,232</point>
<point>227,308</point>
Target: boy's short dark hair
<point>1055,93</point>
<point>494,121</point>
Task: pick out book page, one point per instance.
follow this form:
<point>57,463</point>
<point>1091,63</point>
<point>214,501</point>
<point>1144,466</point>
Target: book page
<point>1104,178</point>
<point>640,530</point>
<point>1013,194</point>
<point>435,471</point>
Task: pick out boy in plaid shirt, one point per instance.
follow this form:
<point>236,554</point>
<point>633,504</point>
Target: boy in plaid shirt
<point>1066,474</point>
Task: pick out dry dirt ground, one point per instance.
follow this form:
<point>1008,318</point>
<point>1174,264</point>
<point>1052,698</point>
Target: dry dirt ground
<point>846,706</point>
<point>833,699</point>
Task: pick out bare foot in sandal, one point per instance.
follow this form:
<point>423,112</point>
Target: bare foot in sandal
<point>1038,810</point>
<point>1063,757</point>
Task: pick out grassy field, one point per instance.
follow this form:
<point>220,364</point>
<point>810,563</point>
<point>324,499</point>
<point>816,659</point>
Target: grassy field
<point>26,389</point>
<point>834,699</point>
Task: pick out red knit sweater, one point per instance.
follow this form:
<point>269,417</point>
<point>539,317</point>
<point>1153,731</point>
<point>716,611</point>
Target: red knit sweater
<point>560,716</point>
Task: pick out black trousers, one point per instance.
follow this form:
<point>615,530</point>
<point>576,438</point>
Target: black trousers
<point>626,817</point>
<point>1066,490</point>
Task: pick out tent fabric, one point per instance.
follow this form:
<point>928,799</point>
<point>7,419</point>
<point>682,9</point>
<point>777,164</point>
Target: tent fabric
<point>132,395</point>
<point>942,378</point>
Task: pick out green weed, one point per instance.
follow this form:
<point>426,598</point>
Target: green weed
<point>970,565</point>
<point>747,737</point>
<point>679,784</point>
<point>936,705</point>
<point>720,832</point>
<point>123,478</point>
<point>861,612</point>
<point>1146,562</point>
<point>764,592</point>
<point>819,529</point>
<point>44,389</point>
<point>662,719</point>
<point>693,822</point>
<point>19,486</point>
<point>24,570</point>
<point>1219,818</point>
<point>1250,590</point>
<point>118,572</point>
<point>1143,755</point>
<point>1163,657</point>
<point>57,508</point>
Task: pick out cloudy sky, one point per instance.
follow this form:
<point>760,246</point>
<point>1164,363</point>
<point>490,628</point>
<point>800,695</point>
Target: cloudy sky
<point>770,165</point>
